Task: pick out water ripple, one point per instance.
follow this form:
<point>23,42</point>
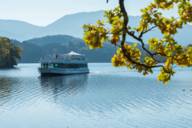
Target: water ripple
<point>108,97</point>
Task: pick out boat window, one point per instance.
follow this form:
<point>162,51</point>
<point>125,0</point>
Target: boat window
<point>55,65</point>
<point>46,65</point>
<point>71,65</point>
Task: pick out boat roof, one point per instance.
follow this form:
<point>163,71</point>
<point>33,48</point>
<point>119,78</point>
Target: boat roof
<point>74,53</point>
<point>63,58</point>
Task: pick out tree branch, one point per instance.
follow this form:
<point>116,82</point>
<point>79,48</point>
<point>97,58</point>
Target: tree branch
<point>124,33</point>
<point>142,43</point>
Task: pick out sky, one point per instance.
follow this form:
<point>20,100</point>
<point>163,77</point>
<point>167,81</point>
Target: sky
<point>43,12</point>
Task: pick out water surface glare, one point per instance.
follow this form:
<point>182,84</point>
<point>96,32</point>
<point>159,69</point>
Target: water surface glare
<point>106,98</point>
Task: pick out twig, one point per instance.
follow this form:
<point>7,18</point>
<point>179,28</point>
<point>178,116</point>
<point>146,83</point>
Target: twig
<point>144,32</point>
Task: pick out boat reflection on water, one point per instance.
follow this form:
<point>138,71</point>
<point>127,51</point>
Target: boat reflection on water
<point>65,86</point>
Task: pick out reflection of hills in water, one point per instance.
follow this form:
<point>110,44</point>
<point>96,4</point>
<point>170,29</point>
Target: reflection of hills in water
<point>6,89</point>
<point>63,85</point>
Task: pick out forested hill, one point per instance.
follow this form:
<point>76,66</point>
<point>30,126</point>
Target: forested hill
<point>35,48</point>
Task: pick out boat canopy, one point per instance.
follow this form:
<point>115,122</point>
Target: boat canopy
<point>74,53</point>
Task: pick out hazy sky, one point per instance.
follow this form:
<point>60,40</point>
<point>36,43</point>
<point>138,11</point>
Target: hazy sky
<point>43,12</point>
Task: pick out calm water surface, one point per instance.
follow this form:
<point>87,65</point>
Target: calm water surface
<point>106,98</point>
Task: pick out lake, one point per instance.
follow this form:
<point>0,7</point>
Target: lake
<point>108,97</point>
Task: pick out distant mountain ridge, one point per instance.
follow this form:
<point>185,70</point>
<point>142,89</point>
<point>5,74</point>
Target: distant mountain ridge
<point>67,25</point>
<point>18,29</point>
<point>72,25</point>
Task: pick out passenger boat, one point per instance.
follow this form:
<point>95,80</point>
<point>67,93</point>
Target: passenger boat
<point>64,64</point>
